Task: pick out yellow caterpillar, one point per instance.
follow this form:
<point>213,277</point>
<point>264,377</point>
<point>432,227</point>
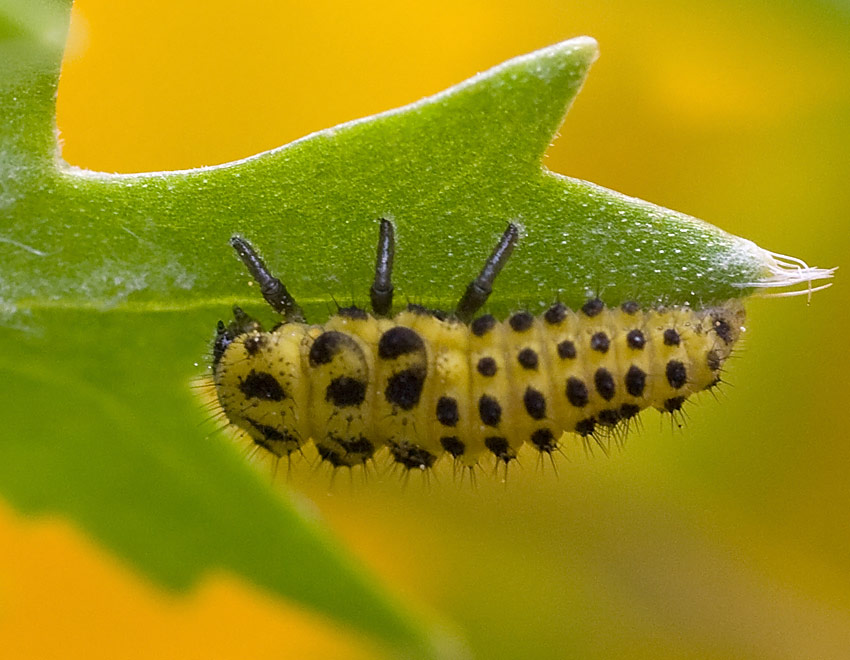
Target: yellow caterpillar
<point>425,383</point>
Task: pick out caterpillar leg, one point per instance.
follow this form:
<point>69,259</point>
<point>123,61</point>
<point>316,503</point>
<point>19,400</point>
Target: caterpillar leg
<point>273,290</point>
<point>481,287</point>
<point>381,292</point>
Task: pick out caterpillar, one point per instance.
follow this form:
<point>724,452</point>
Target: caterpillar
<point>426,383</point>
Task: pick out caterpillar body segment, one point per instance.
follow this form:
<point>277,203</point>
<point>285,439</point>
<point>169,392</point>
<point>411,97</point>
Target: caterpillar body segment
<point>262,390</point>
<point>424,384</point>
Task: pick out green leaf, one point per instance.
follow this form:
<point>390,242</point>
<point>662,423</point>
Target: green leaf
<point>110,286</point>
<point>450,170</point>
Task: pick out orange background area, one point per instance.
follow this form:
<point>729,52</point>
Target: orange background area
<point>718,541</point>
<point>63,597</point>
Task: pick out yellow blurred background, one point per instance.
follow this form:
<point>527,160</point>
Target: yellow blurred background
<point>729,538</point>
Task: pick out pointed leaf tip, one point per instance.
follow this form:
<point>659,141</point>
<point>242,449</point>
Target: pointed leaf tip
<point>576,52</point>
<point>512,111</point>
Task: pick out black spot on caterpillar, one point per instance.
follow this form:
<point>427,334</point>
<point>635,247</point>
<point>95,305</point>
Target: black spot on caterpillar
<point>427,383</point>
<point>261,385</point>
